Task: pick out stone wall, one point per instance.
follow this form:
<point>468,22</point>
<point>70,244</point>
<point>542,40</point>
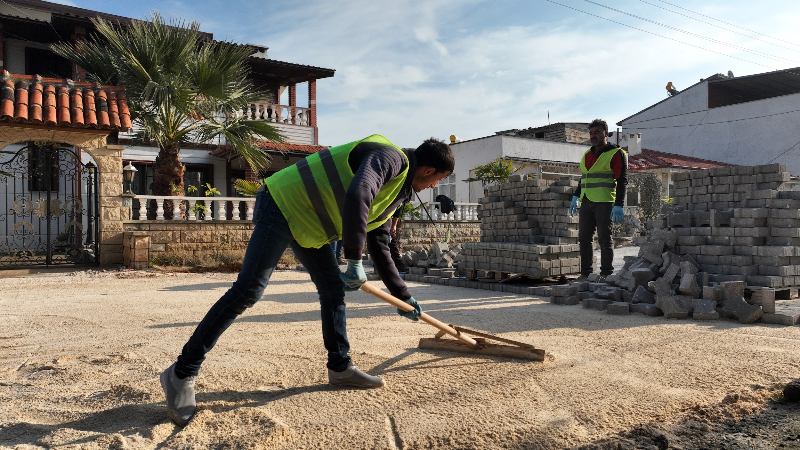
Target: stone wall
<point>421,233</point>
<point>198,239</point>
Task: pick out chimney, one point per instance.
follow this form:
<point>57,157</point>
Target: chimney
<point>634,143</point>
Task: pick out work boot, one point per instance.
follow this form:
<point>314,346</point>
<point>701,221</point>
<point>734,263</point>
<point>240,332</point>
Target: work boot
<point>354,377</point>
<point>180,396</point>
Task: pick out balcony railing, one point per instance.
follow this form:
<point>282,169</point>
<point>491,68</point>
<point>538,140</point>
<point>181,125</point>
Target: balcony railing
<point>462,211</point>
<point>241,208</point>
<point>272,112</point>
<point>216,208</point>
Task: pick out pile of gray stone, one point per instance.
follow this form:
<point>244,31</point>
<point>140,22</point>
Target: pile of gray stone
<point>662,281</point>
<point>438,260</point>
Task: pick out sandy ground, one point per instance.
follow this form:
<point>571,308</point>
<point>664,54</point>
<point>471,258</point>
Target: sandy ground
<point>80,355</point>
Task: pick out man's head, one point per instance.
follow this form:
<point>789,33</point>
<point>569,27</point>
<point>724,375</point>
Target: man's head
<point>434,162</point>
<point>598,133</point>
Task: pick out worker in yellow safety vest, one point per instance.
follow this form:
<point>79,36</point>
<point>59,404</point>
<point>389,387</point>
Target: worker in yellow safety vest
<point>601,192</point>
<point>347,192</point>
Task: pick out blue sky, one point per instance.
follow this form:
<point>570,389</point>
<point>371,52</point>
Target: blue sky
<point>414,69</point>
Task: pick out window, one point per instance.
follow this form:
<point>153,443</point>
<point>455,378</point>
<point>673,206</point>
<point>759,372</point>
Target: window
<point>43,168</point>
<point>539,135</point>
<point>46,63</point>
<point>446,187</point>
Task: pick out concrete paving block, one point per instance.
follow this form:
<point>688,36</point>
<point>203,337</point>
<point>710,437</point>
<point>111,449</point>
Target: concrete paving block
<point>568,301</point>
<point>597,303</point>
<point>712,293</point>
<point>683,219</point>
<point>418,270</point>
<point>688,268</point>
<point>652,257</point>
<point>765,298</point>
<point>618,308</point>
<point>661,287</point>
<point>435,272</point>
<point>704,310</point>
<point>641,277</point>
<point>563,291</point>
<point>689,286</point>
<point>609,292</point>
<point>647,309</point>
<point>671,272</point>
<point>675,306</point>
<point>741,310</point>
<point>781,319</point>
<point>642,295</point>
<point>666,236</point>
<point>732,290</point>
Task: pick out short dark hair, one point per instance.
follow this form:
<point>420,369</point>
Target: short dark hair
<point>435,153</point>
<point>599,123</point>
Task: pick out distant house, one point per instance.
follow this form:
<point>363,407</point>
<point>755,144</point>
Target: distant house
<point>28,27</point>
<point>747,120</point>
<point>544,158</point>
<point>569,132</point>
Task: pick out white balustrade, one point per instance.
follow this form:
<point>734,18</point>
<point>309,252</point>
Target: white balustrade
<point>273,112</point>
<point>462,211</point>
<point>190,203</point>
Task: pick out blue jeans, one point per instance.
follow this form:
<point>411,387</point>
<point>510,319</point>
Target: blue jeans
<point>270,238</point>
<point>337,248</point>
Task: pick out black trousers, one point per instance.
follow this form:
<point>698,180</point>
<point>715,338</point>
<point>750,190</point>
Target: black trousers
<point>396,250</point>
<point>591,216</point>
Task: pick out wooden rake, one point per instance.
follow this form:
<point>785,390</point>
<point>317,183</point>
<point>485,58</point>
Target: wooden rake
<point>477,344</point>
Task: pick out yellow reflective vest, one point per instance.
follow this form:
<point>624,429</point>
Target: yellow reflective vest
<point>310,194</point>
<point>598,183</point>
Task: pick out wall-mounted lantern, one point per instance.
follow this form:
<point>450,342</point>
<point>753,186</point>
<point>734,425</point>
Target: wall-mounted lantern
<point>128,174</point>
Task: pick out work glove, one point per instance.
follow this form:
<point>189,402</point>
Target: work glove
<point>617,215</point>
<point>413,315</point>
<point>573,208</point>
<point>354,276</point>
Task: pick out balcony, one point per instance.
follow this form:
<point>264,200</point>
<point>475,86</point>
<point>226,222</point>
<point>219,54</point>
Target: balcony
<point>294,122</point>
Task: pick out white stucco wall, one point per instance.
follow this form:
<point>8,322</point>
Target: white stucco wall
<point>672,126</point>
<point>475,152</point>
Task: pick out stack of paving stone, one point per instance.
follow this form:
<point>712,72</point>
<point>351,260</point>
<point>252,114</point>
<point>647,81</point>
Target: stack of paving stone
<point>739,221</point>
<point>662,281</point>
<point>525,229</point>
<point>536,260</point>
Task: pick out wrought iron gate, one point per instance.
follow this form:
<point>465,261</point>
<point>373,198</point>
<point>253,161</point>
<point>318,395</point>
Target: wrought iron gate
<point>48,207</point>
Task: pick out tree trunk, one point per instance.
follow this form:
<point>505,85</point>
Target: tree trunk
<point>167,178</point>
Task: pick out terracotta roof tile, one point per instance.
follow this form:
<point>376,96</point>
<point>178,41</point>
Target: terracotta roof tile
<point>63,103</point>
<point>651,159</point>
<point>227,152</point>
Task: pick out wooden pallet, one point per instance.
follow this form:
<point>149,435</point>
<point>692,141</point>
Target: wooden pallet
<point>508,277</point>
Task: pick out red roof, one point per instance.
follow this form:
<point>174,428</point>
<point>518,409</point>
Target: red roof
<point>227,152</point>
<point>651,159</point>
<point>64,103</point>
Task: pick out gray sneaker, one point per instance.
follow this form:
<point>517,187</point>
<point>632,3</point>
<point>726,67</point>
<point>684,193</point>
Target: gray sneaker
<point>180,396</point>
<point>354,377</point>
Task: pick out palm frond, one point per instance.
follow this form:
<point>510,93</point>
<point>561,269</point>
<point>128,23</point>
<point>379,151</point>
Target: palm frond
<point>248,188</point>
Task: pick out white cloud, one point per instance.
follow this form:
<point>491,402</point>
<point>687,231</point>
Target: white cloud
<point>412,69</point>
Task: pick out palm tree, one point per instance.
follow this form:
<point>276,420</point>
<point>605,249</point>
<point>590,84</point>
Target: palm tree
<point>181,88</point>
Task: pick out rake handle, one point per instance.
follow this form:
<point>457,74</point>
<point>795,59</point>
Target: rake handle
<point>397,303</point>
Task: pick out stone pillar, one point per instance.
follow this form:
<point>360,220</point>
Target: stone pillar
<point>292,101</point>
<point>312,108</point>
<point>112,213</point>
<point>136,250</point>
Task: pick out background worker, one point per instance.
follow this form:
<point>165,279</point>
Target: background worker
<point>345,192</point>
<point>604,169</point>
